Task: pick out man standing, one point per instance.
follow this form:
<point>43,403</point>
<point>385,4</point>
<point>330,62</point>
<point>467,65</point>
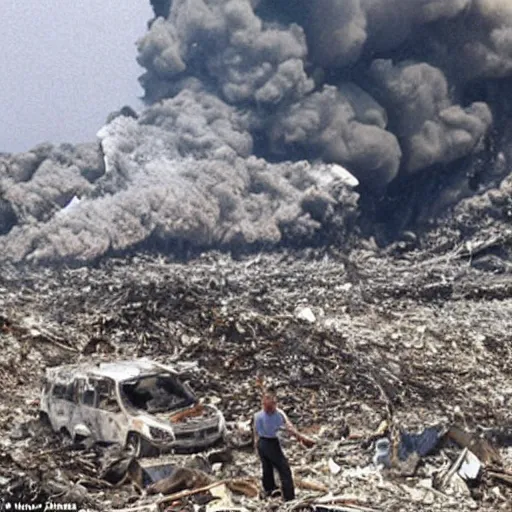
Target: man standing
<point>267,424</point>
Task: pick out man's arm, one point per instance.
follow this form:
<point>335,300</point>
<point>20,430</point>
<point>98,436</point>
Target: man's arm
<point>290,427</point>
<point>255,436</point>
<point>294,432</point>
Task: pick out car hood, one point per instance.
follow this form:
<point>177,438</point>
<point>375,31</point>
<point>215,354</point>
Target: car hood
<point>192,416</point>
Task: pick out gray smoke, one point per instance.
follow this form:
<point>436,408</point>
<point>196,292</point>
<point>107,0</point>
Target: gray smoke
<point>430,128</point>
<point>253,59</point>
<point>342,124</point>
<point>227,43</point>
<point>378,87</point>
<point>183,171</point>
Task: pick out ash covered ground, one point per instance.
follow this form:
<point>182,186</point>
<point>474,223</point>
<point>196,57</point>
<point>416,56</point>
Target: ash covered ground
<point>425,334</point>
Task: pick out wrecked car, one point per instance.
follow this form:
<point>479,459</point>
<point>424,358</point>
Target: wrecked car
<point>140,404</point>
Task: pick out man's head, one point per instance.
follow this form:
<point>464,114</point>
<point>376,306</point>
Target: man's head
<point>269,402</point>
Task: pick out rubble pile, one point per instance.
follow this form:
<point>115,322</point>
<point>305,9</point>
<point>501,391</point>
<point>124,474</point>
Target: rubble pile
<point>418,340</point>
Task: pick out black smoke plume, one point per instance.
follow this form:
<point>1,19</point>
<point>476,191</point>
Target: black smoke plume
<point>255,108</point>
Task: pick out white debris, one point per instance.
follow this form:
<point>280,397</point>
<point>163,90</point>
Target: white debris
<point>70,206</point>
<point>457,487</point>
<point>222,500</point>
<point>333,467</point>
<point>470,467</point>
<point>306,314</point>
<point>327,176</point>
<point>344,175</point>
<point>382,455</point>
<point>217,468</point>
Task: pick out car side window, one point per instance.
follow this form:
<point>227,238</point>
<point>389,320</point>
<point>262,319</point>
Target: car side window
<point>107,399</point>
<point>78,389</point>
<point>58,391</point>
<point>62,392</point>
<point>46,386</point>
<point>86,392</point>
<point>89,397</point>
<point>68,395</point>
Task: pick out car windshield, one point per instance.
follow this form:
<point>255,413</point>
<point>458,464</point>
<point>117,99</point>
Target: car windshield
<point>156,393</point>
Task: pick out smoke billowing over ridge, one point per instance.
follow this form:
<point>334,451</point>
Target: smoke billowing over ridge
<point>249,102</point>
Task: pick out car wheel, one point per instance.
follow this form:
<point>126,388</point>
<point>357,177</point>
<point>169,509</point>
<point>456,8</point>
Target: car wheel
<point>140,447</point>
<point>83,441</point>
<point>65,437</point>
<point>44,419</point>
<point>134,444</point>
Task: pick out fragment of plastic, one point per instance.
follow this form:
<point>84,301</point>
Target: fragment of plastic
<point>382,455</point>
<point>423,444</point>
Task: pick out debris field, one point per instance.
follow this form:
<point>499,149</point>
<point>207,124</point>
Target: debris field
<point>417,340</point>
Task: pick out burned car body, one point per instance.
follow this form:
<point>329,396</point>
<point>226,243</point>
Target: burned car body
<point>141,404</point>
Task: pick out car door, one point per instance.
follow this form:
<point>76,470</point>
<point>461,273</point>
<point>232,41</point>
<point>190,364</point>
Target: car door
<point>87,401</point>
<point>80,417</point>
<point>61,407</point>
<point>111,419</point>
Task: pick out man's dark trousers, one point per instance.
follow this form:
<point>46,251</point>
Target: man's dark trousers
<point>272,456</point>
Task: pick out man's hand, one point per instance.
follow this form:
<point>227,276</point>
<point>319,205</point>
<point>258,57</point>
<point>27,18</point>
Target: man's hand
<point>306,441</point>
<point>303,439</point>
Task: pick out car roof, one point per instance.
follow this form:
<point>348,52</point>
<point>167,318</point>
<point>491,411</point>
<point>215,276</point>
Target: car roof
<point>118,371</point>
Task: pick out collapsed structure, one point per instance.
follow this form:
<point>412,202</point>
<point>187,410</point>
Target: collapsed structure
<point>418,339</point>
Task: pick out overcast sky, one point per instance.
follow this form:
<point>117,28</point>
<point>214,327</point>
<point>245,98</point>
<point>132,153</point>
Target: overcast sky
<point>65,65</point>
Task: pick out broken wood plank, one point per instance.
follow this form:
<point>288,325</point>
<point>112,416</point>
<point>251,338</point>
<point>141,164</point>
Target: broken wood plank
<point>197,410</point>
<point>502,477</point>
<point>310,485</point>
<point>190,492</point>
<point>150,507</point>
